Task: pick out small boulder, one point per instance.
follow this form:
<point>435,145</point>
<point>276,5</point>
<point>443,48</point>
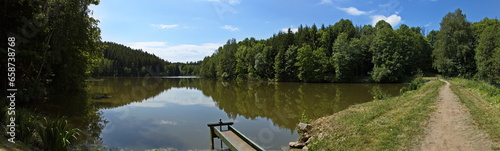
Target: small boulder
<point>304,127</point>
<point>304,137</point>
<point>296,145</point>
<point>308,141</point>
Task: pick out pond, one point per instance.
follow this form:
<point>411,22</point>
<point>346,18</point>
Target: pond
<point>173,112</point>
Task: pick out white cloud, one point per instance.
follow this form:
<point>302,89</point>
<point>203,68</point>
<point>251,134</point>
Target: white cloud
<point>186,97</point>
<point>326,2</point>
<point>177,53</point>
<point>164,122</point>
<point>285,30</point>
<point>394,19</point>
<point>140,45</point>
<point>428,24</point>
<point>353,11</point>
<point>232,2</point>
<point>163,26</point>
<point>148,104</point>
<point>229,27</point>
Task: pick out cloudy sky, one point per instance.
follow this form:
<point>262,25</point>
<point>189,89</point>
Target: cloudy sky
<point>189,30</point>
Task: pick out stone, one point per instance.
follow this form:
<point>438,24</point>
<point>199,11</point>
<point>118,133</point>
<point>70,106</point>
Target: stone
<point>304,127</point>
<point>305,148</point>
<point>296,145</point>
<point>308,141</point>
<point>304,137</point>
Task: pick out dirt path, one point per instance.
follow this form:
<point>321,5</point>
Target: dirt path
<point>451,127</point>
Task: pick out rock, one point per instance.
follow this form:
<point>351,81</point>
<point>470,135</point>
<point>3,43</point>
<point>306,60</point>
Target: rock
<point>304,137</point>
<point>296,145</point>
<point>304,127</point>
<point>308,141</point>
<point>305,148</point>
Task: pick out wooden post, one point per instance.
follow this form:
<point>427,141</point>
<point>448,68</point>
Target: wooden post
<point>212,131</point>
<point>212,138</point>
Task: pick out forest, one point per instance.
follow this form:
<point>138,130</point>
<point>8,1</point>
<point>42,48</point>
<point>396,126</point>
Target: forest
<point>346,53</point>
<point>123,61</point>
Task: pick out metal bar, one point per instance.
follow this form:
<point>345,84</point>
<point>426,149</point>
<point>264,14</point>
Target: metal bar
<point>219,124</point>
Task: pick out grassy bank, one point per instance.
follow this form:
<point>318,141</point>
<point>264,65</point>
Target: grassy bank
<point>389,124</point>
<point>33,131</point>
<point>483,101</point>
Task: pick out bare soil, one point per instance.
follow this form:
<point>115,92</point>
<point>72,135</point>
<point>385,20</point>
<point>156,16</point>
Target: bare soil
<point>452,128</point>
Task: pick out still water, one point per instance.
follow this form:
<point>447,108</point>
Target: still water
<point>173,113</point>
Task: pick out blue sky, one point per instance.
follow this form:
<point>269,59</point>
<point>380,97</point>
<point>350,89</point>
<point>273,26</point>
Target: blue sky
<point>189,30</point>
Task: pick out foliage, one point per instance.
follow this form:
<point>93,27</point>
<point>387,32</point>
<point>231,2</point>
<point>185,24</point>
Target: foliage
<point>344,53</point>
<point>454,49</point>
<point>55,135</point>
<point>490,92</point>
<point>378,94</point>
<point>304,119</point>
<point>488,50</point>
<point>387,56</point>
<point>120,60</point>
<point>337,53</point>
<point>28,124</point>
<point>414,85</point>
<point>56,41</point>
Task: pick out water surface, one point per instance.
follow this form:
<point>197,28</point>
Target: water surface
<point>173,113</point>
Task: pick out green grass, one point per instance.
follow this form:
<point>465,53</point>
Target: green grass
<point>55,134</point>
<point>39,133</point>
<point>389,124</point>
<point>483,101</point>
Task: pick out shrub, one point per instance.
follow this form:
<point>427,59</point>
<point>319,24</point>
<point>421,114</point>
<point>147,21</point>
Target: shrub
<point>414,84</point>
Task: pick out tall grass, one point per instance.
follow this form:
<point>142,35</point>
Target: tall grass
<point>489,92</point>
<point>27,124</point>
<point>393,124</point>
<point>55,134</point>
<point>483,102</point>
<point>42,133</point>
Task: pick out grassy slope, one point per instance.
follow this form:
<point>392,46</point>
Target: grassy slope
<point>392,124</point>
<point>483,101</point>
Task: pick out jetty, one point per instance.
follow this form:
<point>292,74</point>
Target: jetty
<point>233,139</point>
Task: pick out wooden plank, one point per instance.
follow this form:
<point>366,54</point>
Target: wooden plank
<point>237,142</point>
<point>246,139</point>
<point>232,138</point>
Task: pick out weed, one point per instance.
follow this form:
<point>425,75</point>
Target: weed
<point>304,119</point>
<point>55,135</point>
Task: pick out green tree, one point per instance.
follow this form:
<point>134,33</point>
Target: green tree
<point>387,56</point>
<point>291,69</point>
<point>432,38</point>
<point>488,53</point>
<point>454,52</point>
<point>342,58</point>
<point>57,42</point>
<point>306,63</point>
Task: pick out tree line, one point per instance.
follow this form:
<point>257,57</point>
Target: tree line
<point>345,53</point>
<point>120,60</point>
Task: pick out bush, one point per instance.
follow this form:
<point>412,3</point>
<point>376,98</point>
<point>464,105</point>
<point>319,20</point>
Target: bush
<point>378,94</point>
<point>414,84</point>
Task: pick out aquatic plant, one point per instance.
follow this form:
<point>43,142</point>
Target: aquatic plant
<point>55,134</point>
